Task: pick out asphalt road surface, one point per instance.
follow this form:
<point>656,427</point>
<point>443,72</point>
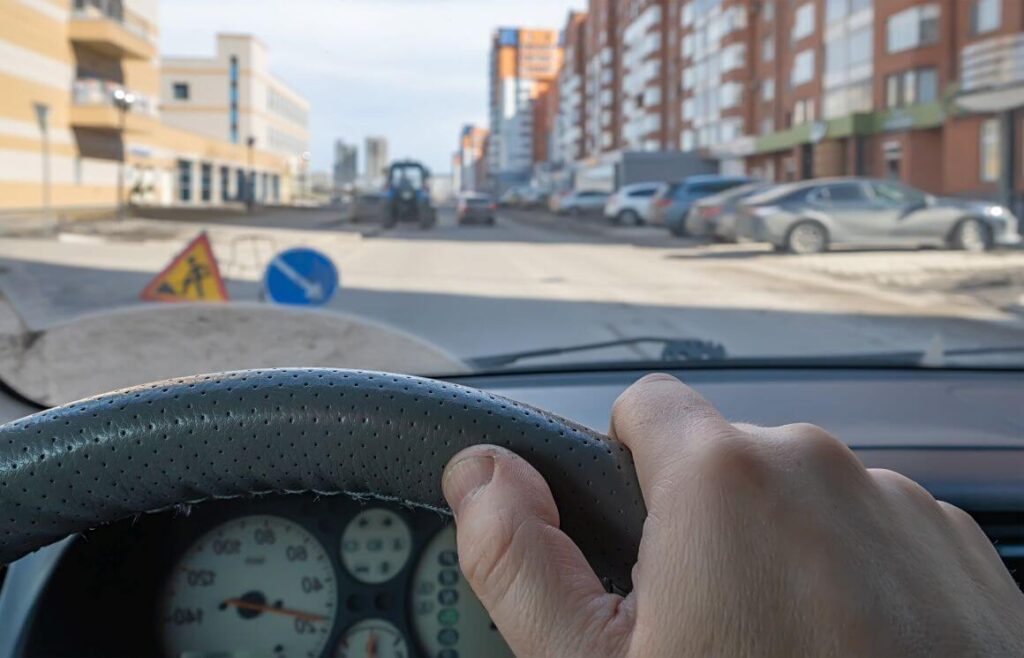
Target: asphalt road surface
<point>533,281</point>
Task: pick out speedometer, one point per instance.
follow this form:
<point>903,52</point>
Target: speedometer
<point>449,619</point>
<point>257,585</point>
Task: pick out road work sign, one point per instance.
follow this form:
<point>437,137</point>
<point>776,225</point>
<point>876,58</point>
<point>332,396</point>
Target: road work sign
<point>301,277</point>
<point>192,276</point>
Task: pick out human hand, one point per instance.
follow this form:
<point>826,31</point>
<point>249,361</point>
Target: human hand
<point>758,542</point>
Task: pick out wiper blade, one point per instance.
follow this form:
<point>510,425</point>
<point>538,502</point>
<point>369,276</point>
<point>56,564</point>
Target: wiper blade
<point>673,350</point>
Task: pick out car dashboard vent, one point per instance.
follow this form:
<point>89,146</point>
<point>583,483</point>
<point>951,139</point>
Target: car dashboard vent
<point>1006,530</point>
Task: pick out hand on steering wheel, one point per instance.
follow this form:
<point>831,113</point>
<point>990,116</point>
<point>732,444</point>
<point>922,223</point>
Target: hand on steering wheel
<point>757,542</point>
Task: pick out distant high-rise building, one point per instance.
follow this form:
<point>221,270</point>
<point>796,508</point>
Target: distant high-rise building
<point>346,163</point>
<point>377,160</point>
<point>472,159</point>
<point>524,64</point>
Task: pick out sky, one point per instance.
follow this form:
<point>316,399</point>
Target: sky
<point>414,71</point>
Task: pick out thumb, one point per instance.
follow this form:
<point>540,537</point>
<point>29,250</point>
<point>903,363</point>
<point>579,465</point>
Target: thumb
<point>534,581</point>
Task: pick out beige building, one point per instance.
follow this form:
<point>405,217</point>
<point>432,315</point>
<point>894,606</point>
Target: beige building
<point>233,97</point>
<point>81,119</point>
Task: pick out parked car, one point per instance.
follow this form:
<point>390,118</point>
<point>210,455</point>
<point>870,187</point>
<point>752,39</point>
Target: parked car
<point>716,215</point>
<point>631,205</point>
<point>476,208</point>
<point>811,217</point>
<point>584,202</point>
<point>671,205</point>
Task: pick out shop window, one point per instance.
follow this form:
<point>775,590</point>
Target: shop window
<point>989,149</point>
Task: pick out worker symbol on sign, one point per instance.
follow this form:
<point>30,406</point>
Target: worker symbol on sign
<point>192,276</point>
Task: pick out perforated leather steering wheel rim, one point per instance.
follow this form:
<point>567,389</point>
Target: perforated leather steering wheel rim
<point>185,441</point>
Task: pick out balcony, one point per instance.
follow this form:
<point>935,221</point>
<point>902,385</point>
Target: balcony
<point>94,106</point>
<point>992,74</point>
<point>101,25</point>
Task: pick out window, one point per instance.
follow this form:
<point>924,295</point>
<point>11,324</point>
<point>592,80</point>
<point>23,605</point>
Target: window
<point>225,183</point>
<point>205,182</point>
<point>896,194</point>
<point>803,111</point>
<point>989,147</point>
<point>836,9</point>
<point>767,126</point>
<point>912,28</point>
<point>803,68</point>
<point>180,91</point>
<point>240,186</point>
<point>910,87</point>
<point>986,15</point>
<point>768,89</point>
<point>233,98</point>
<point>803,23</point>
<point>845,193</point>
<point>768,49</point>
<point>860,47</point>
<point>768,10</point>
<point>184,181</point>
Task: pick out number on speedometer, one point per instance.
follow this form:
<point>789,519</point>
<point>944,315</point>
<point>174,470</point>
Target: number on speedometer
<point>257,585</point>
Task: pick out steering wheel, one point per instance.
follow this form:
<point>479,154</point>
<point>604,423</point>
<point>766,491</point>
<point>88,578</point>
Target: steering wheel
<point>249,433</point>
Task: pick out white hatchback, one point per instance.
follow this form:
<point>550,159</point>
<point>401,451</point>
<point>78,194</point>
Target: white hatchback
<point>631,205</point>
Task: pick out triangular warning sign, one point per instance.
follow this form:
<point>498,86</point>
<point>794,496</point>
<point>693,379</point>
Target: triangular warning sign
<point>192,276</point>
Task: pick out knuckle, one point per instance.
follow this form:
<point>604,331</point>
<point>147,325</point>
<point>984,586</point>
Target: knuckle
<point>822,448</point>
<point>734,462</point>
<point>634,397</point>
<point>902,486</point>
<point>959,517</point>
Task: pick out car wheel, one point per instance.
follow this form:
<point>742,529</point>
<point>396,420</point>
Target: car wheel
<point>972,235</point>
<point>628,218</point>
<point>677,230</point>
<point>807,238</point>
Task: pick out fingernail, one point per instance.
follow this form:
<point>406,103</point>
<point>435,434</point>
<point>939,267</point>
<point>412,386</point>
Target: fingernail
<point>466,476</point>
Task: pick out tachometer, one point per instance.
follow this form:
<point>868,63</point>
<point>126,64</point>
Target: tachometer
<point>372,638</point>
<point>449,619</point>
<point>257,585</point>
<point>376,545</point>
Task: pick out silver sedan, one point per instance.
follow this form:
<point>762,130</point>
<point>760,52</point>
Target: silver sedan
<point>812,216</point>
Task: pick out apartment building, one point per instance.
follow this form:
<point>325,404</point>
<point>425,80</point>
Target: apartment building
<point>572,98</point>
<point>885,89</point>
<point>471,159</point>
<point>524,65</point>
<point>82,126</point>
<point>378,159</point>
<point>346,163</point>
<point>643,32</point>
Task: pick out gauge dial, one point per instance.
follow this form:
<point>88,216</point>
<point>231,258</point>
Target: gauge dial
<point>376,545</point>
<point>449,619</point>
<point>373,638</point>
<point>259,585</point>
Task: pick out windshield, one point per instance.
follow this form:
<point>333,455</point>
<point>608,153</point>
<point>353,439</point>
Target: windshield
<point>191,186</point>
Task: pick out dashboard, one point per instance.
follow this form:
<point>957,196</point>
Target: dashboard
<point>324,576</point>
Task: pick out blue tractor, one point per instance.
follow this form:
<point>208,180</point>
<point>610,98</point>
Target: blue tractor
<point>408,195</point>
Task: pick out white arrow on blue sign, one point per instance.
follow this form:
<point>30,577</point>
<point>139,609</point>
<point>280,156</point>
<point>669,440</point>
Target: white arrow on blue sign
<point>301,277</point>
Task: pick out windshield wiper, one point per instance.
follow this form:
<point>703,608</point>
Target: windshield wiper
<point>672,350</point>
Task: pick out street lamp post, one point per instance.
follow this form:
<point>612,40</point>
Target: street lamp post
<point>124,101</point>
<point>250,197</point>
<point>43,118</point>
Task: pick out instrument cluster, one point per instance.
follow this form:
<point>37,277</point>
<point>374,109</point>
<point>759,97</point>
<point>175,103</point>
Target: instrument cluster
<point>369,581</point>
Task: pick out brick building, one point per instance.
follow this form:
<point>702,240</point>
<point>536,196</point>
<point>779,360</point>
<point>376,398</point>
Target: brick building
<point>921,90</point>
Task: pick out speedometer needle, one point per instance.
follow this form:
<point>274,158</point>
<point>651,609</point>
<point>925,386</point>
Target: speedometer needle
<point>260,607</point>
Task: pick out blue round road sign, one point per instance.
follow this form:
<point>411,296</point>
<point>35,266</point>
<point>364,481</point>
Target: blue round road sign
<point>301,277</point>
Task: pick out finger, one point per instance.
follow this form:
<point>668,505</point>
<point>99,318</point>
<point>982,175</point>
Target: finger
<point>658,419</point>
<point>539,589</point>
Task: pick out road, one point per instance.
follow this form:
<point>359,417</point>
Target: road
<point>537,281</point>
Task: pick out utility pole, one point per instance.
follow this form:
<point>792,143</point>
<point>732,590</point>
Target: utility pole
<point>124,101</point>
<point>43,118</point>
